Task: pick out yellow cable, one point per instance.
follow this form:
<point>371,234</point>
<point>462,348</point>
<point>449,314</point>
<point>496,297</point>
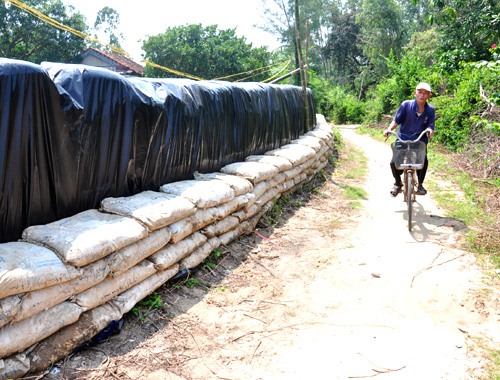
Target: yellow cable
<point>278,73</point>
<point>249,71</point>
<point>171,70</point>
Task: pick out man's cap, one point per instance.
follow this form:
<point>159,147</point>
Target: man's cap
<point>424,86</point>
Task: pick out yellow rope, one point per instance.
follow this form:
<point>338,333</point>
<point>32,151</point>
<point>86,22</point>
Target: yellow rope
<point>250,71</point>
<point>278,73</point>
<point>171,70</point>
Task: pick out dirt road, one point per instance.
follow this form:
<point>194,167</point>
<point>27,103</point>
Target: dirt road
<point>337,292</point>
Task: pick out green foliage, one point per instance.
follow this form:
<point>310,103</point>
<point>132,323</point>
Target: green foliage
<point>212,258</point>
<point>204,52</point>
<point>340,106</point>
<point>143,307</point>
<point>25,37</point>
<point>459,113</point>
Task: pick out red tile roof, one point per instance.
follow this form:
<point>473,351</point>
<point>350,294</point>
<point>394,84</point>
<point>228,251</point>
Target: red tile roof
<point>121,60</point>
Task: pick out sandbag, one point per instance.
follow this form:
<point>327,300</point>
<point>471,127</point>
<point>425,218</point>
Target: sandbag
<point>172,253</point>
<point>112,286</point>
<point>153,209</point>
<point>276,180</point>
<point>313,142</point>
<point>127,300</point>
<point>9,307</point>
<point>26,267</point>
<point>235,233</point>
<point>238,184</point>
<point>86,237</point>
<point>64,341</point>
<point>290,174</point>
<point>234,205</point>
<point>258,190</point>
<point>19,336</point>
<point>309,152</point>
<point>220,227</point>
<point>40,300</point>
<point>193,223</point>
<point>199,255</point>
<point>280,163</point>
<point>203,194</point>
<point>129,256</point>
<point>14,367</point>
<point>296,157</point>
<point>269,195</point>
<point>255,172</point>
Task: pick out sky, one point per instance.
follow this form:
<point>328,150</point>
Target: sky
<point>151,17</point>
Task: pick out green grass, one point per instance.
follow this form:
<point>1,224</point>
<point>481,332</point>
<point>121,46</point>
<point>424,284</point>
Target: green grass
<point>355,192</point>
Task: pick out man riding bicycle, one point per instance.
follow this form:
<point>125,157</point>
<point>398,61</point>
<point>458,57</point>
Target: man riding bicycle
<point>414,117</point>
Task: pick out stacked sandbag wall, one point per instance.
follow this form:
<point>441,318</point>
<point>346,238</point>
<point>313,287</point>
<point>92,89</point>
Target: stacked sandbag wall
<point>65,281</point>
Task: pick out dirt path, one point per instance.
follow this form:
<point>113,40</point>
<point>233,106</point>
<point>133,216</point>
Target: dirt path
<point>337,292</point>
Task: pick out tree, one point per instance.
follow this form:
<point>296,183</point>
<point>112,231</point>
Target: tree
<point>107,23</point>
<point>204,52</point>
<point>24,36</point>
<point>468,29</point>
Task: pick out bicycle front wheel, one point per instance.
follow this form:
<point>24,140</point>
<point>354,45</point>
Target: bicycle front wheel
<point>409,199</point>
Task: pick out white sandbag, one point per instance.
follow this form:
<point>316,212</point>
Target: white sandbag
<point>153,209</point>
<point>234,205</point>
<point>281,163</point>
<point>193,223</point>
<point>300,178</point>
<point>25,267</point>
<point>172,253</point>
<point>295,156</point>
<point>310,141</point>
<point>220,227</point>
<point>9,307</point>
<point>276,180</point>
<point>325,136</point>
<point>320,119</point>
<point>310,172</point>
<point>269,195</point>
<point>241,215</point>
<point>234,234</point>
<point>258,190</point>
<point>252,210</point>
<point>86,237</point>
<point>127,300</point>
<point>239,185</point>
<point>40,300</point>
<point>112,286</point>
<point>129,256</point>
<point>19,336</point>
<point>323,151</point>
<point>64,341</point>
<point>290,174</point>
<point>199,255</point>
<point>255,172</point>
<point>203,194</point>
<point>252,222</point>
<point>322,165</point>
<point>14,367</point>
<point>302,149</point>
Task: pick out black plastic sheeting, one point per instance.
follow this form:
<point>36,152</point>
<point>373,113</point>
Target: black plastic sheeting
<point>72,135</point>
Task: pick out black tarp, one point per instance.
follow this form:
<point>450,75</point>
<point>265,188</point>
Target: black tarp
<point>72,135</point>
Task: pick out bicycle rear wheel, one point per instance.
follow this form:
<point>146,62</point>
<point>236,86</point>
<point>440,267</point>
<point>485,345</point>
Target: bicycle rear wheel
<point>409,199</point>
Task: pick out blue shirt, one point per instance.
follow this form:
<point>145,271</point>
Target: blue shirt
<point>412,125</point>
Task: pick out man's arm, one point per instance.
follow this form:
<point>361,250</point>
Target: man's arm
<point>391,127</point>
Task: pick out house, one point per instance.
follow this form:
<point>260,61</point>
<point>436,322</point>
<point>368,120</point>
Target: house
<point>111,61</point>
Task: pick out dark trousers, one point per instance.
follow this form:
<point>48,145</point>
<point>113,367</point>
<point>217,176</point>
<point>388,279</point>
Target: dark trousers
<point>420,173</point>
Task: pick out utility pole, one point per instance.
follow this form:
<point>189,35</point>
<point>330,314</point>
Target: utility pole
<point>303,78</point>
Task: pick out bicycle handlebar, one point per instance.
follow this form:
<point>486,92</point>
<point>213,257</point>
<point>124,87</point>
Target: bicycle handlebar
<point>408,141</point>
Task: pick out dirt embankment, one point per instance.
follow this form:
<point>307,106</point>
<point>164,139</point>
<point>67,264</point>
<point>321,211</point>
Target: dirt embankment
<point>338,291</point>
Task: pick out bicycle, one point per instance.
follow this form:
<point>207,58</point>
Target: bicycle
<point>409,156</point>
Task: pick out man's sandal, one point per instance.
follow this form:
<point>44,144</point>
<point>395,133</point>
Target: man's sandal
<point>396,190</point>
<point>421,190</point>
